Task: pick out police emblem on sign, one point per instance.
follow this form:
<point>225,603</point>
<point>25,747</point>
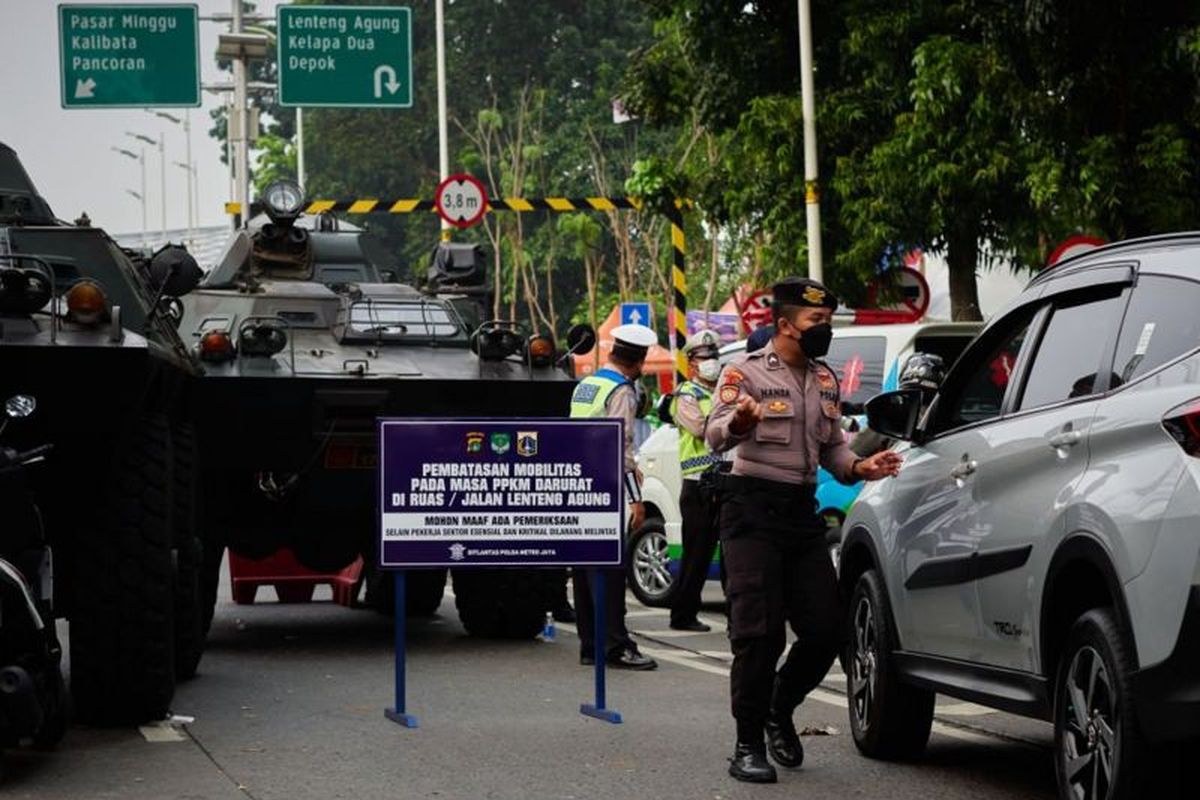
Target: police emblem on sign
<point>501,443</point>
<point>475,442</point>
<point>457,552</point>
<point>527,443</point>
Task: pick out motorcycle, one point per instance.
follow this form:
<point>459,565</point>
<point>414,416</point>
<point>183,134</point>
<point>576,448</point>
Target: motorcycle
<point>33,694</point>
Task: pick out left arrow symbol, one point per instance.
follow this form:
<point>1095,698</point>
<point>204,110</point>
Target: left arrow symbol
<point>84,88</point>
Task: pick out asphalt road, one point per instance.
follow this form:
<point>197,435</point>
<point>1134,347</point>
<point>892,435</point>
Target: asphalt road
<point>289,705</point>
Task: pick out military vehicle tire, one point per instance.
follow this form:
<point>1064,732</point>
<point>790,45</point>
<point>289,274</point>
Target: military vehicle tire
<point>210,580</point>
<point>121,626</point>
<point>424,589</point>
<point>189,553</point>
<point>501,603</point>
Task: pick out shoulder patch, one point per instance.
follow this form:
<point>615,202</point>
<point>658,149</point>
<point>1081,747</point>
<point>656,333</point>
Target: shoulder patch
<point>585,393</point>
<point>733,376</point>
<point>729,393</point>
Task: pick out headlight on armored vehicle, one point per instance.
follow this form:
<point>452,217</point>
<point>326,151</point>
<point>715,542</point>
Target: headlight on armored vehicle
<point>283,200</point>
<point>86,303</point>
<point>261,338</point>
<point>216,346</point>
<point>541,350</point>
<point>493,342</point>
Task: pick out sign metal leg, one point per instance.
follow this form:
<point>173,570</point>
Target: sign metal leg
<point>600,649</point>
<point>397,714</point>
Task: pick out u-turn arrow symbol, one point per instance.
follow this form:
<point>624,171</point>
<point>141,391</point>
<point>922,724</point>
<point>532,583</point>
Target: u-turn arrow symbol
<point>392,85</point>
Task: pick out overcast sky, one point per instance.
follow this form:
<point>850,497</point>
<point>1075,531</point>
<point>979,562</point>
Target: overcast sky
<point>66,152</point>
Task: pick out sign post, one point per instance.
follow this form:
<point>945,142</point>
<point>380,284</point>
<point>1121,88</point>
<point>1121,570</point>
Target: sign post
<point>465,493</point>
<point>461,200</point>
<point>128,56</point>
<point>349,56</point>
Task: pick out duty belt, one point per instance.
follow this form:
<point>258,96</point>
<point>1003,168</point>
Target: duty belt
<point>748,483</point>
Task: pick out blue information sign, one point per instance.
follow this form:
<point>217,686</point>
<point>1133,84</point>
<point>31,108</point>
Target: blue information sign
<point>500,492</point>
<point>635,314</point>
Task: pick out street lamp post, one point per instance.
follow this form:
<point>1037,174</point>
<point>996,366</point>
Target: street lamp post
<point>141,159</point>
<point>191,229</point>
<point>186,122</point>
<point>162,169</point>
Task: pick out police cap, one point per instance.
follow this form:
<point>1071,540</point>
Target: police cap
<point>703,344</point>
<point>631,342</point>
<point>803,292</point>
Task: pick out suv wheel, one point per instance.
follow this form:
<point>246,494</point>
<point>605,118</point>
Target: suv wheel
<point>1099,749</point>
<point>650,576</point>
<point>889,719</point>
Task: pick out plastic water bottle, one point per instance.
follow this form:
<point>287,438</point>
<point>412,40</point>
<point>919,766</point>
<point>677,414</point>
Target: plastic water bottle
<point>548,628</point>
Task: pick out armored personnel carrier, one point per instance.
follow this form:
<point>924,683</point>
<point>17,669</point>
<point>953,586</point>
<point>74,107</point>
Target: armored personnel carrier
<point>306,338</point>
<point>89,330</point>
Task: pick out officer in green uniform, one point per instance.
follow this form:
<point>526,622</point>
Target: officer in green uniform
<point>779,407</point>
<point>614,392</point>
<point>690,407</point>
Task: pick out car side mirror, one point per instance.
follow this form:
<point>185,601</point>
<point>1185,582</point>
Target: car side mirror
<point>895,414</point>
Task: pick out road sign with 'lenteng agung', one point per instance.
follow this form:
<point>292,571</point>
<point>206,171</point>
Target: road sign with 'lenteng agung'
<point>351,56</point>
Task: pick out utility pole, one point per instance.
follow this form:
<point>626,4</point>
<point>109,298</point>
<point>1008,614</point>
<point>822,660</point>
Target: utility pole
<point>443,143</point>
<point>812,190</point>
<point>186,123</point>
<point>241,157</point>
<point>300,176</point>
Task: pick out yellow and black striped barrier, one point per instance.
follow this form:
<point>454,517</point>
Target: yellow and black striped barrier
<point>677,318</point>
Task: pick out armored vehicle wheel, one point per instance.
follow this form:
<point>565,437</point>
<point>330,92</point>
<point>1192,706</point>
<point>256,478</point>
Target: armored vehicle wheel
<point>189,631</point>
<point>501,603</point>
<point>54,727</point>
<point>210,580</point>
<point>121,626</point>
<point>423,593</point>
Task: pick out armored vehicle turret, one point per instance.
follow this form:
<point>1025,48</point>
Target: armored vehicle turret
<point>306,338</point>
<point>89,330</point>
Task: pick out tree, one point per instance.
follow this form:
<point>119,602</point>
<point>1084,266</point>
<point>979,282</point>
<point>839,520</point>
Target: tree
<point>981,128</point>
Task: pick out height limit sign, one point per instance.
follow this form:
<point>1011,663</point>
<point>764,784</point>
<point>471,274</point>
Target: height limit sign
<point>350,56</point>
<point>461,200</point>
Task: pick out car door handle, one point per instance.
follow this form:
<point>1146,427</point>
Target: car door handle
<point>1065,439</point>
<point>964,469</point>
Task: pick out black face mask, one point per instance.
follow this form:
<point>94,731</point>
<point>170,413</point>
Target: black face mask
<point>815,341</point>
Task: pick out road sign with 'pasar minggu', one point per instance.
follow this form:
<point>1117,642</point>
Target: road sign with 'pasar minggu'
<point>353,56</point>
<point>128,56</point>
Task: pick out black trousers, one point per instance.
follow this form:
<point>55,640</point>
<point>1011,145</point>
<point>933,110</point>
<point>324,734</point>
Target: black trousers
<point>699,543</point>
<point>779,573</point>
<point>614,609</point>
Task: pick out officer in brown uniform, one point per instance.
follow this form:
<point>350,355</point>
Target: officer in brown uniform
<point>779,407</point>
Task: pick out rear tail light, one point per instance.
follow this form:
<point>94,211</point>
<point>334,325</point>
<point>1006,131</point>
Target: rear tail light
<point>1183,423</point>
<point>541,351</point>
<point>86,303</point>
<point>216,346</point>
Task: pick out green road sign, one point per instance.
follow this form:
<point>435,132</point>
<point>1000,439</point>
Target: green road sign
<point>127,56</point>
<point>345,56</point>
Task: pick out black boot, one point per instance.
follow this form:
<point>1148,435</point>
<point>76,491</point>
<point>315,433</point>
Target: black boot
<point>749,763</point>
<point>782,740</point>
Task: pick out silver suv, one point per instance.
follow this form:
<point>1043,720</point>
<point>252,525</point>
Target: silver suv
<point>1040,550</point>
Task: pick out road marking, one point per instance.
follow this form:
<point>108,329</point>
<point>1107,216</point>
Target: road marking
<point>964,710</point>
<point>161,732</point>
<point>648,612</point>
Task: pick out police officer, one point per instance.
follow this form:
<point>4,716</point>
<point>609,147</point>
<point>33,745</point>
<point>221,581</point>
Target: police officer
<point>614,391</point>
<point>779,407</point>
<point>690,408</point>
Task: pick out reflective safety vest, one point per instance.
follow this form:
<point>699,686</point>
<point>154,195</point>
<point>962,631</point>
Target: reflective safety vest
<point>694,455</point>
<point>592,393</point>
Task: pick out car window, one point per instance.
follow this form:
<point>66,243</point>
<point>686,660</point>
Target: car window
<point>1162,322</point>
<point>977,394</point>
<point>1069,354</point>
<point>949,347</point>
<point>858,362</point>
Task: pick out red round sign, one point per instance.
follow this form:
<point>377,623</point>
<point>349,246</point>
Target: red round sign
<point>757,310</point>
<point>912,290</point>
<point>1073,246</point>
<point>461,200</point>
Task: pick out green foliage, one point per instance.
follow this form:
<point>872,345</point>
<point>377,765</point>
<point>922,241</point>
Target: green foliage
<point>276,161</point>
